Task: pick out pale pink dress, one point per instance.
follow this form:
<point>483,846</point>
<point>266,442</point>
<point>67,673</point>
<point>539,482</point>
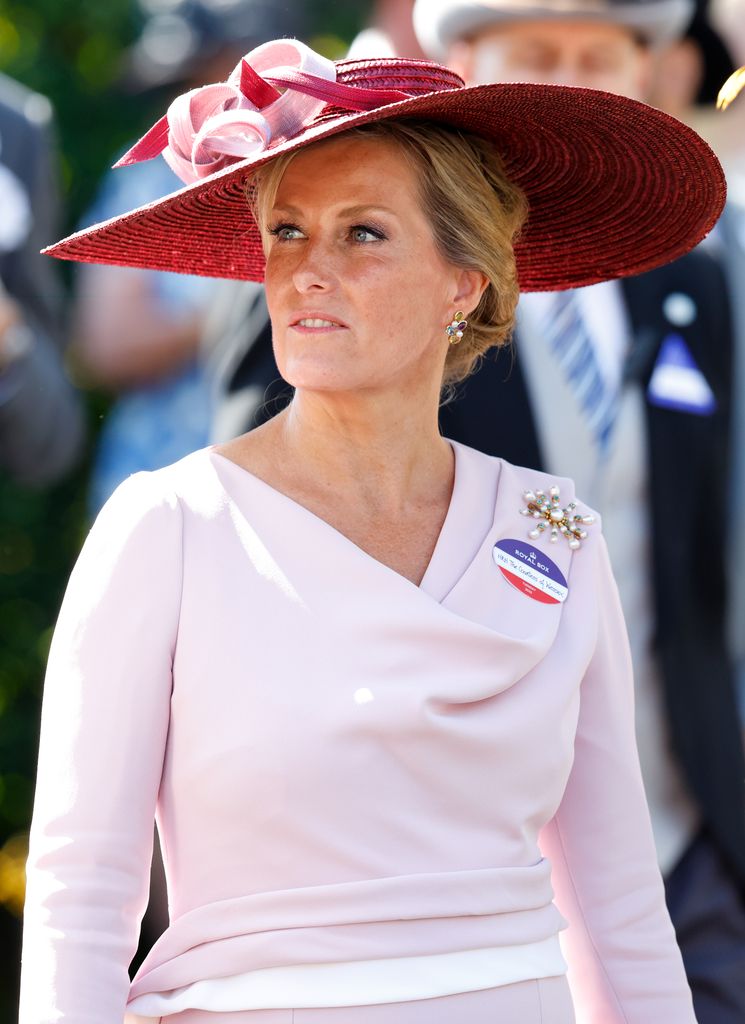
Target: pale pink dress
<point>344,766</point>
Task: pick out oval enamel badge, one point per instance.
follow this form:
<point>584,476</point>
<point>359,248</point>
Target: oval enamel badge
<point>530,571</point>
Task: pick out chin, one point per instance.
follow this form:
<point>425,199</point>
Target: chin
<point>329,387</point>
<point>323,375</point>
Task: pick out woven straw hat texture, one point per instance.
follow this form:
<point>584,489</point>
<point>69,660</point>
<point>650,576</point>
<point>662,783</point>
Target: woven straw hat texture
<point>614,187</point>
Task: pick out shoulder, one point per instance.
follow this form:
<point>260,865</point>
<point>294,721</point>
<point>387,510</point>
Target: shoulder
<point>163,496</point>
<point>518,482</point>
<point>536,480</point>
<point>689,268</point>
<point>700,273</point>
<point>142,510</point>
<point>519,487</point>
<point>133,557</point>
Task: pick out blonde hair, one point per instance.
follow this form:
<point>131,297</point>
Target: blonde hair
<point>475,213</point>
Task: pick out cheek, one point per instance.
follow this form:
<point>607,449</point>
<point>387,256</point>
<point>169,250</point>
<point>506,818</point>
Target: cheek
<point>405,305</point>
<point>626,75</point>
<point>389,298</point>
<point>277,277</point>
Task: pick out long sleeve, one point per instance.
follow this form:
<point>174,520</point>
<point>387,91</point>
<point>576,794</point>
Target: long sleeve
<point>625,966</point>
<point>105,720</point>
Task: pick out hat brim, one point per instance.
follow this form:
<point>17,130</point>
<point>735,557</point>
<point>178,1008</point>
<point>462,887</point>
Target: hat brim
<point>614,187</point>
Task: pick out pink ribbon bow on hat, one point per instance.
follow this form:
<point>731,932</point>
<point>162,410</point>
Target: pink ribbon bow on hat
<point>211,127</point>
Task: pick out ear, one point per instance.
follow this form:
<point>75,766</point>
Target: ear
<point>470,286</point>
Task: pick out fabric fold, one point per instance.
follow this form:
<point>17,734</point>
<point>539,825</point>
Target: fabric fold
<point>365,920</point>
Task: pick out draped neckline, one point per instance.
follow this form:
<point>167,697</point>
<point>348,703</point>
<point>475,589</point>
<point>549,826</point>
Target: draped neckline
<point>468,520</point>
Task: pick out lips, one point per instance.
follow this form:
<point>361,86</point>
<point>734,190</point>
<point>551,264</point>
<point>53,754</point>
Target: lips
<point>314,321</point>
<point>317,323</point>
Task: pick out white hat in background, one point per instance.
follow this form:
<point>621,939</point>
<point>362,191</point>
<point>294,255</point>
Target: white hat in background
<point>439,23</point>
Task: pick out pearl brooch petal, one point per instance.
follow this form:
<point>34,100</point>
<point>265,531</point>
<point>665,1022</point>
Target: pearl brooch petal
<point>549,512</point>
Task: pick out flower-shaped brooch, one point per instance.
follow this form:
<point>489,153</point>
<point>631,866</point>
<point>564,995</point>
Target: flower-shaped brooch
<point>548,510</point>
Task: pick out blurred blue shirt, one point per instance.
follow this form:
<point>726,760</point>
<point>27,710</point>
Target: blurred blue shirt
<point>151,426</point>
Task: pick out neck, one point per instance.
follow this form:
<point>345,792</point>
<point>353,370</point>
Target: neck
<point>386,451</point>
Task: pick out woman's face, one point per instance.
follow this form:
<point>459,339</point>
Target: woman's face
<point>358,294</point>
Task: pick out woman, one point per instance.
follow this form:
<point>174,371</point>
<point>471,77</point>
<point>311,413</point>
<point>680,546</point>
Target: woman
<point>379,718</point>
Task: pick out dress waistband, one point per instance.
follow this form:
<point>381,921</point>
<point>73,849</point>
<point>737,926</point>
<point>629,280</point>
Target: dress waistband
<point>369,920</point>
<point>363,983</point>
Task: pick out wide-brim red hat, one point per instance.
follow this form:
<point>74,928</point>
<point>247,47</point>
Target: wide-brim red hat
<point>614,187</point>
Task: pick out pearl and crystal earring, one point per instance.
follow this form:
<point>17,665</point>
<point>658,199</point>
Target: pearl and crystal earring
<point>455,329</point>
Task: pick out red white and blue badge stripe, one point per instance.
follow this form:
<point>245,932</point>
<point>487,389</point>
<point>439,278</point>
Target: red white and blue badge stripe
<point>530,571</point>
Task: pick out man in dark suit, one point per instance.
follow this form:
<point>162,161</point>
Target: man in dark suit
<point>41,417</point>
<point>626,387</point>
<point>731,237</point>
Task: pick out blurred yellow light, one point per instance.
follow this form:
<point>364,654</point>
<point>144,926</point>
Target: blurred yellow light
<point>731,89</point>
<point>13,873</point>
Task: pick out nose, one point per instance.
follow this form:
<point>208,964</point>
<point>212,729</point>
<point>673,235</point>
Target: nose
<point>313,271</point>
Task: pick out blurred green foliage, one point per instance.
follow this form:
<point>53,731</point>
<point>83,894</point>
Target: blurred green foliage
<point>69,50</point>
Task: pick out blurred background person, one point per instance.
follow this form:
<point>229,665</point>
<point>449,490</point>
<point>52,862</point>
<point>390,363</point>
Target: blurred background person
<point>725,130</point>
<point>41,417</point>
<point>728,17</point>
<point>689,72</point>
<point>625,387</point>
<point>389,32</point>
<point>688,76</point>
<point>137,333</point>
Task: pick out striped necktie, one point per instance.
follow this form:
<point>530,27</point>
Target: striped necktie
<point>570,342</point>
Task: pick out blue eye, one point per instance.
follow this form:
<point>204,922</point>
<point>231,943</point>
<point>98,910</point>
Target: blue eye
<point>364,233</point>
<point>286,232</point>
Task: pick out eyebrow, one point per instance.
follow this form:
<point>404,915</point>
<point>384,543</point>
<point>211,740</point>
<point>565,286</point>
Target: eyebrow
<point>348,211</point>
